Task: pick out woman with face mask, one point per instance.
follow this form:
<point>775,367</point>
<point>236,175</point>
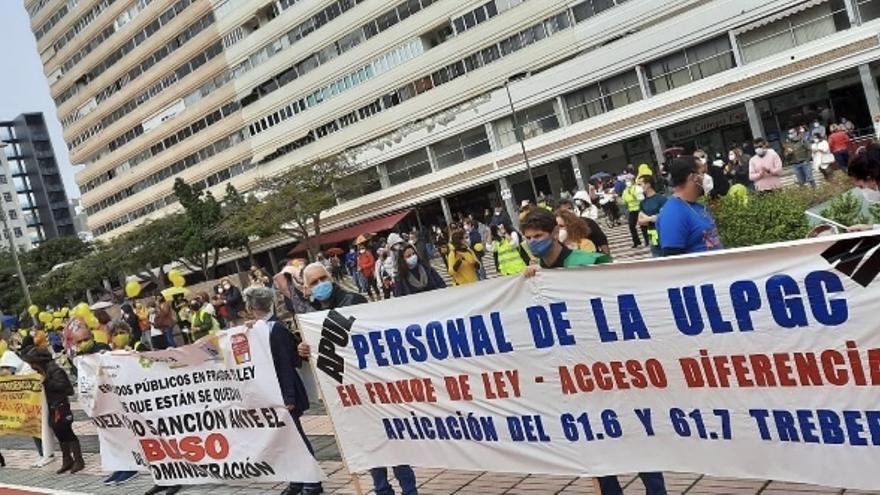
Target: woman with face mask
<point>508,251</point>
<point>462,262</point>
<point>415,274</point>
<point>573,232</point>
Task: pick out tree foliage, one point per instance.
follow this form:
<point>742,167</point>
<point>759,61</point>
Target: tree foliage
<point>201,241</point>
<point>297,198</point>
<point>242,221</point>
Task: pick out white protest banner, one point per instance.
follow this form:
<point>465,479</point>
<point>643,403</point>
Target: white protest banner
<point>210,412</point>
<point>118,445</point>
<point>755,363</point>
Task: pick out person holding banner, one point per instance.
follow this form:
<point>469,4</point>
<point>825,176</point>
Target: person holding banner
<point>539,228</point>
<point>330,296</point>
<point>259,301</point>
<point>541,231</point>
<point>58,388</point>
<point>685,225</point>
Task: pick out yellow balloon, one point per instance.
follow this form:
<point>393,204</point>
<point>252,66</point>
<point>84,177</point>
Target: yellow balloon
<point>91,321</point>
<point>132,289</point>
<point>81,310</point>
<point>101,336</point>
<point>57,322</point>
<point>3,346</point>
<point>178,281</point>
<point>33,309</point>
<point>65,311</point>
<point>45,317</point>
<point>478,247</point>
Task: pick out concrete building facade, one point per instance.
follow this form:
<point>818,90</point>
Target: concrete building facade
<point>413,91</point>
<point>36,185</point>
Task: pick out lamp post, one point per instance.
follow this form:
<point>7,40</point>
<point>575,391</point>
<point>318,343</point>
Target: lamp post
<point>518,133</point>
<point>9,237</point>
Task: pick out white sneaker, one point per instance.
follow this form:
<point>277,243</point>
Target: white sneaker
<point>44,461</point>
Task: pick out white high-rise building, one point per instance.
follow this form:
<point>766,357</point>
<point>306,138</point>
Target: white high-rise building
<point>218,91</point>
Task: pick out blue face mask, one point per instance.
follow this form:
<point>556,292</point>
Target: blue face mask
<point>541,247</point>
<point>323,290</point>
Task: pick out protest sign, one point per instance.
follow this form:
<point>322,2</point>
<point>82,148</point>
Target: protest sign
<point>757,363</point>
<point>20,405</point>
<point>210,412</point>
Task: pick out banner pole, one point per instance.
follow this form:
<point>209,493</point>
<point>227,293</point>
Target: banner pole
<point>355,479</point>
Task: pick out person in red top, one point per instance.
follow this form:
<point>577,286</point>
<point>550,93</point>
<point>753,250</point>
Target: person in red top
<point>838,143</point>
<point>366,264</point>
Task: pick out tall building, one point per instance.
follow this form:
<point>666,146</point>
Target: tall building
<point>36,179</point>
<point>415,91</point>
<point>11,209</point>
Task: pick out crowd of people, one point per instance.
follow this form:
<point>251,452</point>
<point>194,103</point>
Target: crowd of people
<point>665,211</point>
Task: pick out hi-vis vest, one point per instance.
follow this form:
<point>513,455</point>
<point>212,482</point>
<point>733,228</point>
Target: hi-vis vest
<point>198,319</point>
<point>509,260</point>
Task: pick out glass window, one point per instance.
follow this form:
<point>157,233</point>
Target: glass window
<point>408,167</point>
<point>585,103</point>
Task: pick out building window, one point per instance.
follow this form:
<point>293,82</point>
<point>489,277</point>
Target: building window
<point>3,179</point>
<point>585,103</point>
<point>868,9</point>
<point>798,28</point>
<point>589,8</point>
<point>408,167</point>
<point>17,231</point>
<point>7,197</point>
<point>460,148</point>
<point>621,90</point>
<point>13,215</point>
<point>364,182</point>
<point>691,64</point>
<point>532,121</point>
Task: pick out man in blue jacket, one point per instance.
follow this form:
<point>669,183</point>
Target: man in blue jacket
<point>283,344</point>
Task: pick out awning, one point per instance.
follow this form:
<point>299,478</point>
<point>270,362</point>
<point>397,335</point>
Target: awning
<point>351,232</point>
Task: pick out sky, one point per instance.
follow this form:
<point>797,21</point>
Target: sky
<point>23,86</point>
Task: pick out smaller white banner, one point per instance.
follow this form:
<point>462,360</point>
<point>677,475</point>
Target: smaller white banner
<point>210,412</point>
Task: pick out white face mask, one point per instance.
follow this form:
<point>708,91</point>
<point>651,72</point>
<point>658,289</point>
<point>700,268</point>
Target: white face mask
<point>871,195</point>
<point>640,193</point>
<point>702,160</point>
<point>708,184</point>
<point>412,261</point>
<point>563,235</point>
<point>760,151</point>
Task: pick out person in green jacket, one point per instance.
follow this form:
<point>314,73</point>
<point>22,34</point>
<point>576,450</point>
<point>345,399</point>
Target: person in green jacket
<point>510,257</point>
<point>540,230</point>
<point>633,196</point>
<point>203,322</point>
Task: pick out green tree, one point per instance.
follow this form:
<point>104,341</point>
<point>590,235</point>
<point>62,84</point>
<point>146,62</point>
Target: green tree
<point>242,221</point>
<point>202,241</point>
<point>146,250</point>
<point>299,196</point>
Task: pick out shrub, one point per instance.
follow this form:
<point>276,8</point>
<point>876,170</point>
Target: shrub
<point>764,218</point>
<point>875,212</point>
<point>845,209</point>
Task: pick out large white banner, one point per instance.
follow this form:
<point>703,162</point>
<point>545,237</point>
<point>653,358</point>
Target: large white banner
<point>756,363</point>
<point>210,412</point>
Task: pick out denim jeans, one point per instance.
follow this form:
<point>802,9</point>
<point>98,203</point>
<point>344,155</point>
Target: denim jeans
<point>654,484</point>
<point>169,337</point>
<point>405,475</point>
<point>842,159</point>
<point>804,173</point>
<point>304,488</point>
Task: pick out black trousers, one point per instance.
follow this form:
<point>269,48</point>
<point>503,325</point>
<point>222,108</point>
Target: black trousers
<point>633,227</point>
<point>61,421</point>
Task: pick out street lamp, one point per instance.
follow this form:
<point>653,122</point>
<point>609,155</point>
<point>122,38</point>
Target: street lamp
<point>518,132</point>
<point>9,237</point>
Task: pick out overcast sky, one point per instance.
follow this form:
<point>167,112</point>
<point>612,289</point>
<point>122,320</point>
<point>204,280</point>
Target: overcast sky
<point>23,87</point>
